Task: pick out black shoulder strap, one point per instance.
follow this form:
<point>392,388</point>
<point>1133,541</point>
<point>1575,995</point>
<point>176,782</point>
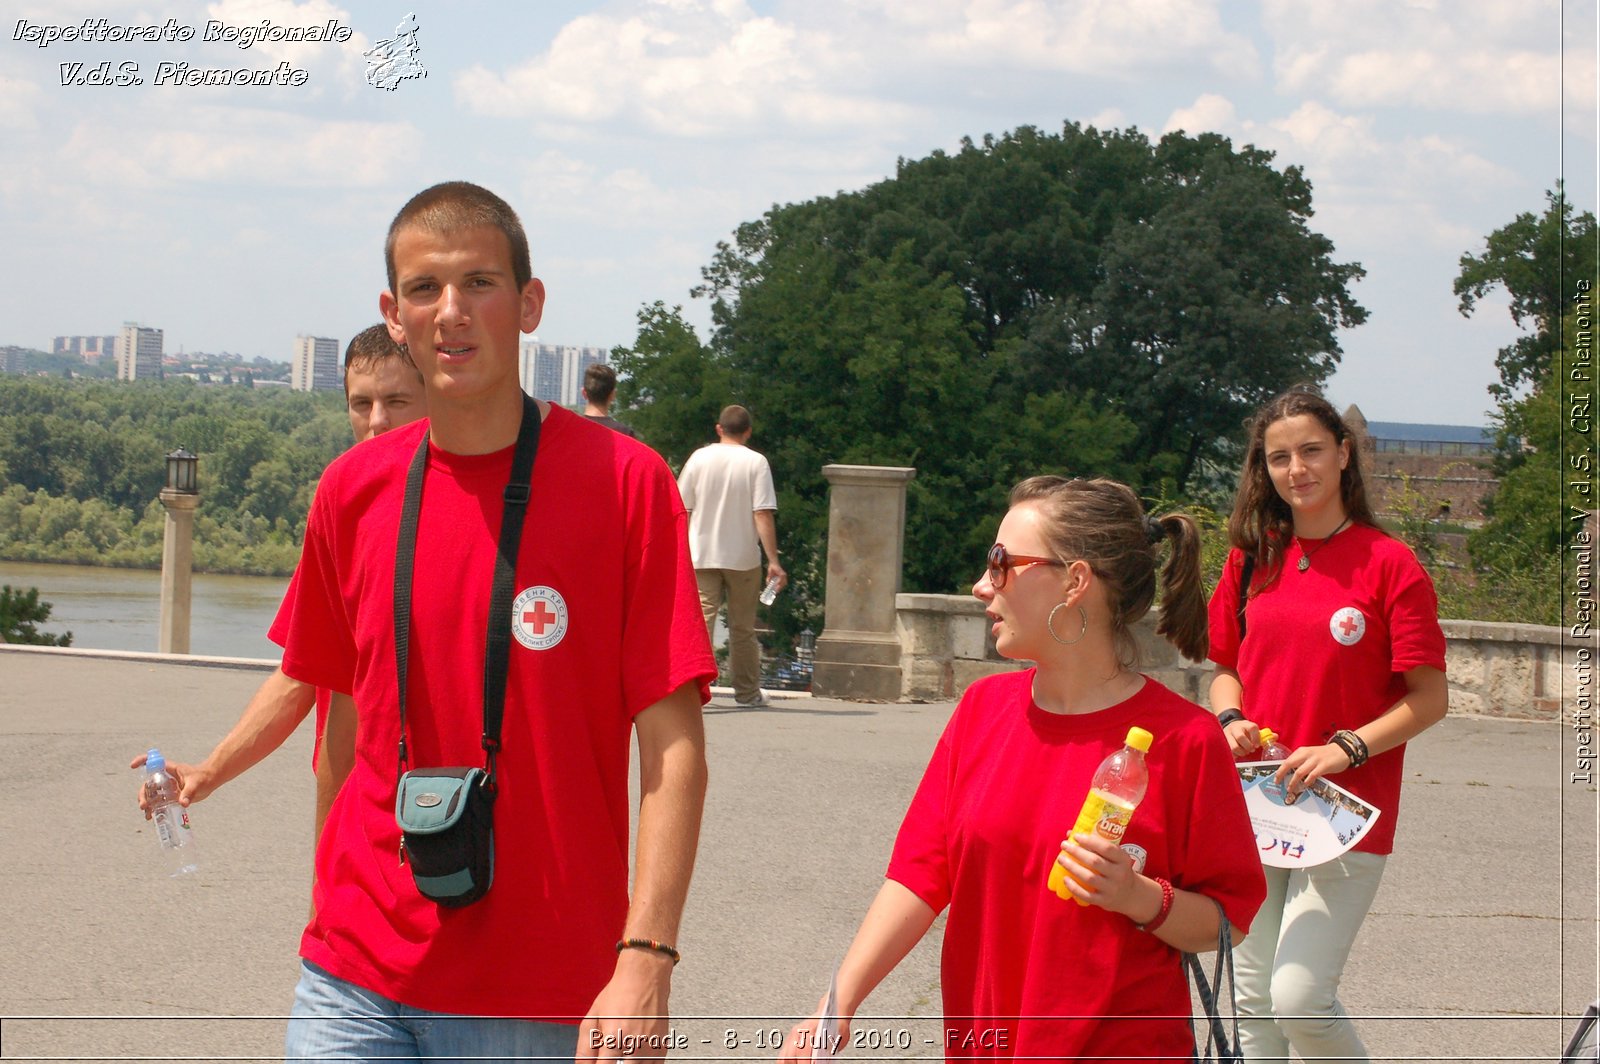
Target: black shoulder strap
<point>1245,571</point>
<point>497,647</point>
<point>497,650</point>
<point>405,553</point>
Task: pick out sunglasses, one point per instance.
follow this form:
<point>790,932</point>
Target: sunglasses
<point>1001,563</point>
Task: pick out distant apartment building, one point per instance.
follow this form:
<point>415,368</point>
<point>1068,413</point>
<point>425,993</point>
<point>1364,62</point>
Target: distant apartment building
<point>138,352</point>
<point>554,372</point>
<point>13,359</point>
<point>315,365</point>
<point>87,348</point>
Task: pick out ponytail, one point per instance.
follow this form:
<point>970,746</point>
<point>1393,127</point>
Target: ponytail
<point>1183,620</point>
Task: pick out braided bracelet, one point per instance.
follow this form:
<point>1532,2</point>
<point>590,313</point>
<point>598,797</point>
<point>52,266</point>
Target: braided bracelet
<point>649,944</point>
<point>1354,747</point>
<point>1166,906</point>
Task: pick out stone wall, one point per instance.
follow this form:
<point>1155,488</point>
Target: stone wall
<point>1497,670</point>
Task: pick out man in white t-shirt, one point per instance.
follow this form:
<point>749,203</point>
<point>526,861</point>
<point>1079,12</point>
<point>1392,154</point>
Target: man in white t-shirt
<point>728,491</point>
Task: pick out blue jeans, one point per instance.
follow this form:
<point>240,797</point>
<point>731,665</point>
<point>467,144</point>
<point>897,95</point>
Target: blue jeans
<point>336,1020</point>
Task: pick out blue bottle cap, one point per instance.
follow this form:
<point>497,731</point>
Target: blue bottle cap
<point>154,762</point>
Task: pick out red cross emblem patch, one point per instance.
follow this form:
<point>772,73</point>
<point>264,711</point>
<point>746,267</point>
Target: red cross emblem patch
<point>1348,626</point>
<point>539,617</point>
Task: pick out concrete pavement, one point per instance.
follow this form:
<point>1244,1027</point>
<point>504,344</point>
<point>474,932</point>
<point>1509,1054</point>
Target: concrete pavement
<point>1483,932</point>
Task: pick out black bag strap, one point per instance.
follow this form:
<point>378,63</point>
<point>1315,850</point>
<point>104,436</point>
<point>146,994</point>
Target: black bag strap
<point>1245,572</point>
<point>497,646</point>
<point>1228,1051</point>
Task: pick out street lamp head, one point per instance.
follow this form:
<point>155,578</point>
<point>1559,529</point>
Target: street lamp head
<point>182,472</point>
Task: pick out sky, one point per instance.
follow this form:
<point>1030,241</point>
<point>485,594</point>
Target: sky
<point>632,136</point>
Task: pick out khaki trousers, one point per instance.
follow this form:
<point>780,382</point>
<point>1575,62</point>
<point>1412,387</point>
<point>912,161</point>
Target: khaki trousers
<point>743,589</point>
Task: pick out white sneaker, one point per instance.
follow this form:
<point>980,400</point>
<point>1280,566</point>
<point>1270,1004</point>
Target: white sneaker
<point>758,702</point>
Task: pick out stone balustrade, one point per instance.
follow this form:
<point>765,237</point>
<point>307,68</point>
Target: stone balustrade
<point>1497,670</point>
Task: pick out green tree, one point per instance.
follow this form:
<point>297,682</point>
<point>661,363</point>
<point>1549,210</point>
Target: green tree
<point>1087,302</point>
<point>21,613</point>
<point>81,462</point>
<point>1540,453</point>
<point>670,386</point>
<point>1539,261</point>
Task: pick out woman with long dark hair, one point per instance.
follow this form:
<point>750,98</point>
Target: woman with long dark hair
<point>1334,643</point>
<point>1027,973</point>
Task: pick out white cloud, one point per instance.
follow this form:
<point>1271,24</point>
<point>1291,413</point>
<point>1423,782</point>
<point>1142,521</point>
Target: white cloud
<point>1365,185</point>
<point>691,68</point>
<point>1317,130</point>
<point>1108,37</point>
<point>1210,112</point>
<point>222,146</point>
<point>626,198</point>
<point>19,103</point>
<point>1476,56</point>
<point>1110,118</point>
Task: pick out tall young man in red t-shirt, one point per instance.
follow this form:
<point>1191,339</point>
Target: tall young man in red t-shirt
<point>608,641</point>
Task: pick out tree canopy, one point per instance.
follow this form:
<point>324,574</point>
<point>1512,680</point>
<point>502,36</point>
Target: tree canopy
<point>1539,261</point>
<point>1085,303</point>
<point>81,463</point>
<point>1544,460</point>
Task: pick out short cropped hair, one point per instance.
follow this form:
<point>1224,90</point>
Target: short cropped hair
<point>456,205</point>
<point>370,348</point>
<point>735,420</point>
<point>599,381</point>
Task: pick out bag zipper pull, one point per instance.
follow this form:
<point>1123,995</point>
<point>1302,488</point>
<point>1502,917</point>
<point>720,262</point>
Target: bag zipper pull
<point>402,850</point>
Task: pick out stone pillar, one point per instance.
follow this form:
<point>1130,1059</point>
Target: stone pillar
<point>177,565</point>
<point>858,652</point>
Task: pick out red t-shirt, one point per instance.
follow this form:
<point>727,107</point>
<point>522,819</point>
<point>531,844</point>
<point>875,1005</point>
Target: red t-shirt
<point>1325,649</point>
<point>278,633</point>
<point>606,622</point>
<point>1025,973</point>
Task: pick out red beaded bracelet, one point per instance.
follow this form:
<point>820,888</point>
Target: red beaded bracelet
<point>1166,906</point>
<point>649,944</point>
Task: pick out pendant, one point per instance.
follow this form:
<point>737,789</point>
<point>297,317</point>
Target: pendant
<point>1303,564</point>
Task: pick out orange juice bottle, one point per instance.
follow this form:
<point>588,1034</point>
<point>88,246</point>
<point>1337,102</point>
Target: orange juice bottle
<point>1117,788</point>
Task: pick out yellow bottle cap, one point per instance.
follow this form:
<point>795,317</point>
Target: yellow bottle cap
<point>1140,739</point>
<point>1267,736</point>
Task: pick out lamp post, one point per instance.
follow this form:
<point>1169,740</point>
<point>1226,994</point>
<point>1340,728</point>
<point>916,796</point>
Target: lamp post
<point>180,497</point>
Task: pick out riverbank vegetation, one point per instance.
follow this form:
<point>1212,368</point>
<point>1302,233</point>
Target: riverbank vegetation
<point>82,462</point>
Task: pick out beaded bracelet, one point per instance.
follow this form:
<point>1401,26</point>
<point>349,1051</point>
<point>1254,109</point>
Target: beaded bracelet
<point>649,944</point>
<point>1228,716</point>
<point>1166,906</point>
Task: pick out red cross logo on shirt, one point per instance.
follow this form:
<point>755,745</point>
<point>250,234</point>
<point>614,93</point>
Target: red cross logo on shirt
<point>540,617</point>
<point>1347,626</point>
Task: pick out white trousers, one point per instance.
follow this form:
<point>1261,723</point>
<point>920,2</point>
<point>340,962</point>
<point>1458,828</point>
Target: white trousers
<point>1287,969</point>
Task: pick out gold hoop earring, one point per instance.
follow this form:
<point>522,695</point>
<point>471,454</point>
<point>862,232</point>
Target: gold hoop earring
<point>1050,623</point>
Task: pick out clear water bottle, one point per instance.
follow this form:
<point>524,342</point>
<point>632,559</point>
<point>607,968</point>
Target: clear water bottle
<point>1271,748</point>
<point>170,819</point>
<point>770,592</point>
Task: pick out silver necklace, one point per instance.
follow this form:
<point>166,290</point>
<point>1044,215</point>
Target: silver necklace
<point>1305,555</point>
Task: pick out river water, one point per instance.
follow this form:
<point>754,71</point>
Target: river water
<point>120,609</point>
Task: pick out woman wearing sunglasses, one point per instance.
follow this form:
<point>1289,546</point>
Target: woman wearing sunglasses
<point>1026,973</point>
<point>1336,646</point>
